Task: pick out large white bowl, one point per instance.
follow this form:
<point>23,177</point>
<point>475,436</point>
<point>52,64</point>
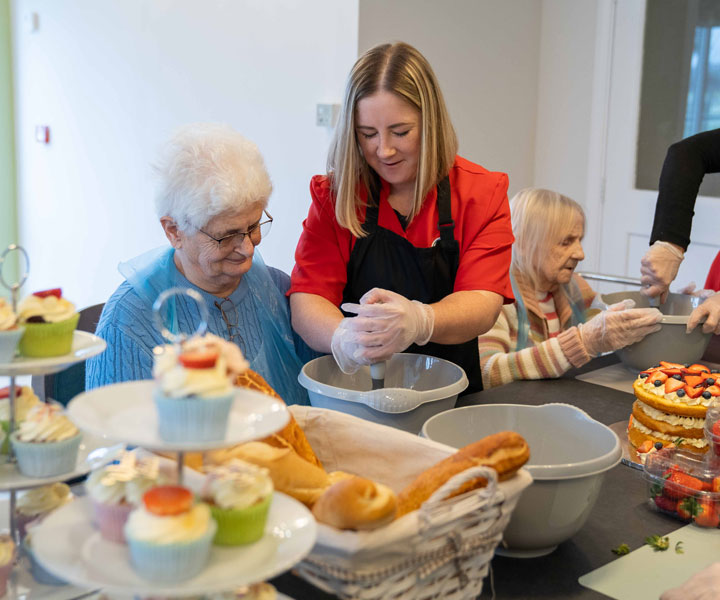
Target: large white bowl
<point>569,455</point>
<point>417,387</point>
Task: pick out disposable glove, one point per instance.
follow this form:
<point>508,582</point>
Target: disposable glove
<point>709,312</point>
<point>704,585</point>
<point>618,326</point>
<point>344,346</point>
<point>387,323</point>
<point>658,268</point>
<point>690,290</point>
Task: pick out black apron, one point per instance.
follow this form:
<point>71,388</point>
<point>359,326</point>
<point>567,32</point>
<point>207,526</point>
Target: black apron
<point>387,260</point>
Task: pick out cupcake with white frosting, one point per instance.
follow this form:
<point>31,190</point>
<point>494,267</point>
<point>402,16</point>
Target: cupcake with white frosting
<point>49,321</point>
<point>117,489</point>
<point>239,495</point>
<point>25,399</point>
<point>35,504</point>
<point>46,443</point>
<point>10,332</point>
<point>194,390</point>
<point>169,535</point>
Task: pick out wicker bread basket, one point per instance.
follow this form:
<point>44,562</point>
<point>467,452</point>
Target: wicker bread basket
<point>441,551</point>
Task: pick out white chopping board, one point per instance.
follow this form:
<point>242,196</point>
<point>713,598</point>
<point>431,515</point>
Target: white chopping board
<point>644,574</point>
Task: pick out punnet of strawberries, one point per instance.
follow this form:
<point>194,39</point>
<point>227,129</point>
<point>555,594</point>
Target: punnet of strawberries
<point>684,485</point>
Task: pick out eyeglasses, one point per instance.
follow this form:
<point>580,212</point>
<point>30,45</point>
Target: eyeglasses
<point>255,233</point>
<point>232,320</point>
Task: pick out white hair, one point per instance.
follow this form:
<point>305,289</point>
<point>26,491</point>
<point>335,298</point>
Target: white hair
<point>207,169</point>
<point>540,219</point>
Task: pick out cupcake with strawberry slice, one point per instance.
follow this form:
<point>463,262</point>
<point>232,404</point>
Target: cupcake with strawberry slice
<point>49,321</point>
<point>194,391</point>
<point>169,535</point>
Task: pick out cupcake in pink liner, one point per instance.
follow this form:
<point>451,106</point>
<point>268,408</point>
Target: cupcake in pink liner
<point>118,488</point>
<point>35,504</point>
<point>10,332</point>
<point>7,560</point>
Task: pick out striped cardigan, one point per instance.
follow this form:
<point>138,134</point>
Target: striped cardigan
<point>544,357</point>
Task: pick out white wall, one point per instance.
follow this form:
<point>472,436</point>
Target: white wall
<point>485,55</point>
<point>112,79</point>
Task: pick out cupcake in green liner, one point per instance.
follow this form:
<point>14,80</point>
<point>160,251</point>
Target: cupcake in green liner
<point>49,321</point>
<point>239,495</point>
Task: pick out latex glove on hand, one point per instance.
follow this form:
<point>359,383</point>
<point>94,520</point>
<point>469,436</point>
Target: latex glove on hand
<point>704,585</point>
<point>344,346</point>
<point>708,313</point>
<point>690,290</point>
<point>388,323</point>
<point>618,326</point>
<point>658,269</point>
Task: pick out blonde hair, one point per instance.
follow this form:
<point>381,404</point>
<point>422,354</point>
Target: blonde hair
<point>401,69</point>
<point>207,169</point>
<point>540,219</point>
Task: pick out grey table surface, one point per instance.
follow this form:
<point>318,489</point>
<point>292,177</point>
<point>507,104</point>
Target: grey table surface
<point>619,516</point>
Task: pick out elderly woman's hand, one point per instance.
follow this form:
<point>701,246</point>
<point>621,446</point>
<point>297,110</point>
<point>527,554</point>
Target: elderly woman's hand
<point>618,326</point>
<point>708,313</point>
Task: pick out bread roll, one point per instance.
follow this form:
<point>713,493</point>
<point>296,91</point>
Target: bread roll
<point>356,503</point>
<point>291,474</point>
<point>505,452</point>
<point>291,436</point>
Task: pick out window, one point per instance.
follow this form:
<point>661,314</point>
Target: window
<point>680,93</point>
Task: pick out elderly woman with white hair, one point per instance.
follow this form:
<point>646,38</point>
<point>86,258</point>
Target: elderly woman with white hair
<point>547,330</point>
<point>211,204</point>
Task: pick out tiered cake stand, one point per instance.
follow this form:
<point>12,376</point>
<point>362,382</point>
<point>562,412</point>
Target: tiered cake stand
<point>94,452</point>
<point>67,544</point>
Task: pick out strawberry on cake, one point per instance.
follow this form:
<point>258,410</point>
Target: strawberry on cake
<point>672,400</point>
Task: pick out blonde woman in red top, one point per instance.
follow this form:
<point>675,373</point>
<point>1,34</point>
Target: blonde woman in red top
<point>402,232</point>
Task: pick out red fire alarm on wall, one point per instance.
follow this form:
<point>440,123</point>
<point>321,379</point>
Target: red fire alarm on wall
<point>42,134</point>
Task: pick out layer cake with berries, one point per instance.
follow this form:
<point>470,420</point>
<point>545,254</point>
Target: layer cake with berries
<point>672,400</point>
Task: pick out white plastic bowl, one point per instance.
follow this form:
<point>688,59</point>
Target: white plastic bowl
<point>417,387</point>
<point>569,455</point>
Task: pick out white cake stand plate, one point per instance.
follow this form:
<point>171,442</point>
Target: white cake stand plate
<point>126,412</point>
<point>67,544</point>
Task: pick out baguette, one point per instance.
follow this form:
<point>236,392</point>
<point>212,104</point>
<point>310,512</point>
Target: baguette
<point>356,503</point>
<point>290,473</point>
<point>505,452</point>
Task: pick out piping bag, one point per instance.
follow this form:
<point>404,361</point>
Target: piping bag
<point>377,373</point>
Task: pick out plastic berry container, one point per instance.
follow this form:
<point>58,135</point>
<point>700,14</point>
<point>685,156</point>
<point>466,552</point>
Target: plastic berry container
<point>684,485</point>
<point>712,428</point>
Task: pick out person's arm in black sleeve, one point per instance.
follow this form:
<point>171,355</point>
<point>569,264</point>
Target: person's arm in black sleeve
<point>685,166</point>
<point>686,163</point>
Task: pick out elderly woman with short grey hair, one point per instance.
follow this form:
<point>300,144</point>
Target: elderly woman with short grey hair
<point>212,206</point>
<point>550,328</point>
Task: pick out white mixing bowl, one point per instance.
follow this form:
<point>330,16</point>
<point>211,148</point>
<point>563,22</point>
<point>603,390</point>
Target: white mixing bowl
<point>569,455</point>
<point>417,387</point>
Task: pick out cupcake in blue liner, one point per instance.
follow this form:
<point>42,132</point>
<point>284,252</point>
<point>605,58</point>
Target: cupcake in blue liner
<point>195,389</point>
<point>46,443</point>
<point>169,535</point>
